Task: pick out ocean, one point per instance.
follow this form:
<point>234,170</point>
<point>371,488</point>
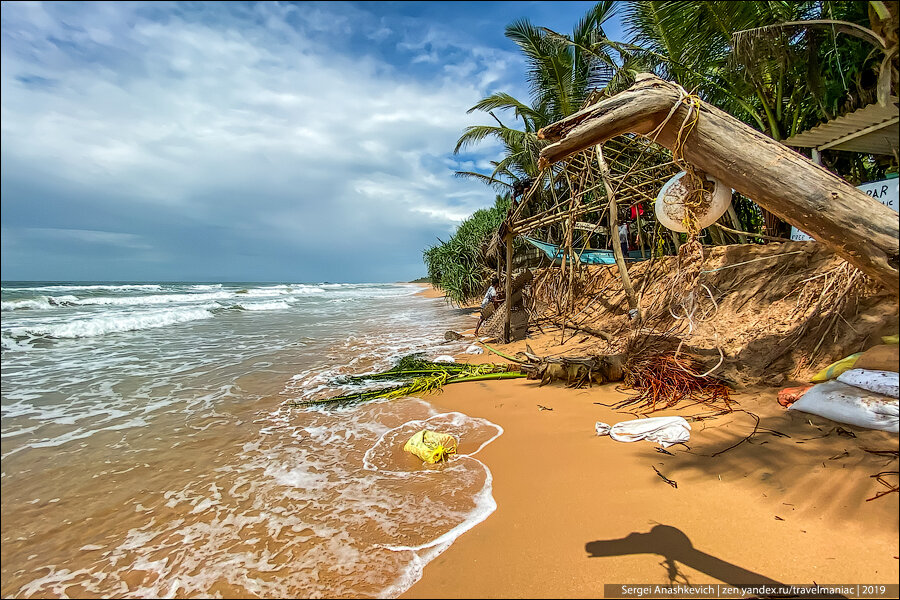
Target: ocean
<point>148,448</point>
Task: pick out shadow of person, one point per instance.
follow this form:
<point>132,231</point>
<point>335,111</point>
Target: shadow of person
<point>675,547</point>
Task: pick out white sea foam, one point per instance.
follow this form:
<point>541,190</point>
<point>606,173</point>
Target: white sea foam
<point>141,300</point>
<point>95,326</point>
<point>290,509</point>
<point>123,288</point>
<point>273,305</point>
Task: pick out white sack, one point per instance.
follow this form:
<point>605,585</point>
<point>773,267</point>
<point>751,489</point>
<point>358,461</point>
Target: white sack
<point>444,358</point>
<point>473,349</point>
<point>665,431</point>
<point>886,383</point>
<point>852,405</point>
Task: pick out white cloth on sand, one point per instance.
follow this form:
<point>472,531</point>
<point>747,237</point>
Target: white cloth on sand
<point>665,431</point>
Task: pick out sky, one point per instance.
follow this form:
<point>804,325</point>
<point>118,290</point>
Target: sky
<point>291,142</point>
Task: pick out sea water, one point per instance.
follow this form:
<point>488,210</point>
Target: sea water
<point>149,448</point>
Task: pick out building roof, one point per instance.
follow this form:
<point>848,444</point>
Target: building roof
<point>872,129</point>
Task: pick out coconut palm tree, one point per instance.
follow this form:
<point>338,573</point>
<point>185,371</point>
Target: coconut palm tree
<point>559,77</point>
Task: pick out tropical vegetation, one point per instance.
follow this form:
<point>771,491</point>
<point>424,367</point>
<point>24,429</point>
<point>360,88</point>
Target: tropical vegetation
<point>779,66</point>
<point>460,265</point>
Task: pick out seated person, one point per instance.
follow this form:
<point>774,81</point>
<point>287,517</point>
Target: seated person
<point>492,299</point>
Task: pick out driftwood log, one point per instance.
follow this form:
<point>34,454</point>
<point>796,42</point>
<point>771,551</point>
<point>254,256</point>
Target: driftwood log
<point>576,371</point>
<point>836,214</point>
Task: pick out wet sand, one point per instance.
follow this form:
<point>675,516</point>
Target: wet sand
<point>577,511</point>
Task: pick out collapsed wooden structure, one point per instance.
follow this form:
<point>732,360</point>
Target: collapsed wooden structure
<point>621,150</point>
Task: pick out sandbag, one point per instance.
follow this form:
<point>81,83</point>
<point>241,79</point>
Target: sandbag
<point>879,358</point>
<point>431,446</point>
<point>836,368</point>
<point>886,383</point>
<point>852,405</point>
<point>665,431</point>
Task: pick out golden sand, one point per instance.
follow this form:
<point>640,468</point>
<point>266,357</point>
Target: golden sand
<point>577,511</point>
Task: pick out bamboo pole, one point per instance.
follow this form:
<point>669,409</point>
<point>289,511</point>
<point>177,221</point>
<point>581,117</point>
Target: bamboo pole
<point>508,317</point>
<point>640,232</point>
<point>614,233</point>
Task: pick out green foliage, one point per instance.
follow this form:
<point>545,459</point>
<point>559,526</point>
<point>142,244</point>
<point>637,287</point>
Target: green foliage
<point>459,266</point>
<point>419,376</point>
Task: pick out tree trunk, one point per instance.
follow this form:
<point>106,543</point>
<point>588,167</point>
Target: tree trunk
<point>857,227</point>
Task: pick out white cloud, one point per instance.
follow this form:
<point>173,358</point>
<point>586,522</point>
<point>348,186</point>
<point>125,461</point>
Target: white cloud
<point>224,120</point>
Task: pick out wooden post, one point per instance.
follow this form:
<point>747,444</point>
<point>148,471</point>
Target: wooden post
<point>614,233</point>
<point>858,228</point>
<point>508,302</point>
<point>640,231</point>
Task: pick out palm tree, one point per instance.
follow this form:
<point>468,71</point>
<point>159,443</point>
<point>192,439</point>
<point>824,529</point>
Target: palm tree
<point>779,79</point>
<point>560,77</point>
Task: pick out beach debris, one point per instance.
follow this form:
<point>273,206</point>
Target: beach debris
<point>788,396</point>
<point>836,368</point>
<point>664,451</point>
<point>892,454</point>
<point>674,484</point>
<point>444,358</point>
<point>756,429</point>
<point>663,379</point>
<point>777,518</point>
<point>575,371</point>
<point>891,487</point>
<point>711,199</point>
<point>542,407</point>
<point>852,405</point>
<point>417,376</point>
<point>473,349</point>
<point>665,431</point>
<point>886,383</point>
<point>431,446</point>
<point>452,336</point>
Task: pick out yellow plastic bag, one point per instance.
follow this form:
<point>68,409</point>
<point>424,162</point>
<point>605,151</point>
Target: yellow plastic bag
<point>431,446</point>
<point>836,368</point>
<point>891,339</point>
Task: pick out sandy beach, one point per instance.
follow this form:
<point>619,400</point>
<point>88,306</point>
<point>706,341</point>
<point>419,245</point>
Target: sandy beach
<point>428,291</point>
<point>577,511</point>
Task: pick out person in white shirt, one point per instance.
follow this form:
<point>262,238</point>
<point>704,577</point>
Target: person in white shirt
<point>623,236</point>
<point>492,299</point>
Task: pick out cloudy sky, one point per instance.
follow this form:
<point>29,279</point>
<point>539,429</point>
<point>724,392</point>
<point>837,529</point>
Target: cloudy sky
<point>245,142</point>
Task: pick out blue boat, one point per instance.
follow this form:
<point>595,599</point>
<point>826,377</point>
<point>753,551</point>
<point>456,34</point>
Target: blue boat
<point>588,256</point>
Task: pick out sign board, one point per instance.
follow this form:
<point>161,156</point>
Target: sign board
<point>885,191</point>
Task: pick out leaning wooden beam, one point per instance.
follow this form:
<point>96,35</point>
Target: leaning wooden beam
<point>857,227</point>
<point>508,295</point>
<point>614,234</point>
